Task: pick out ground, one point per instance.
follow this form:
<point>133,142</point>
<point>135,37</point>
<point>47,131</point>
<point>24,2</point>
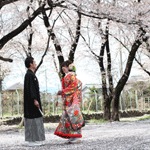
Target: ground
<point>130,135</point>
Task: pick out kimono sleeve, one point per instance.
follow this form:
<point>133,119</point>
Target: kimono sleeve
<point>73,86</point>
<point>63,87</point>
<point>31,86</point>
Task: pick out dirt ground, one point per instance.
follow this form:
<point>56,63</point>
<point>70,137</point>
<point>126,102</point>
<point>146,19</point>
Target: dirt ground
<point>134,135</point>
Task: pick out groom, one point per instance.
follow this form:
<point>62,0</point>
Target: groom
<point>33,119</point>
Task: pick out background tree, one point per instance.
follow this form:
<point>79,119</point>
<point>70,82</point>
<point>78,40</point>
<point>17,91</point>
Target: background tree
<point>130,16</point>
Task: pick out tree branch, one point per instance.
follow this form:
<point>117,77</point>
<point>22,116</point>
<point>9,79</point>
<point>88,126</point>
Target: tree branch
<point>66,23</point>
<point>6,59</point>
<point>131,57</point>
<point>54,38</point>
<point>142,67</point>
<point>76,40</point>
<point>5,2</point>
<point>31,31</point>
<point>15,32</point>
<point>135,57</point>
<point>97,57</point>
<point>43,54</point>
<point>106,15</point>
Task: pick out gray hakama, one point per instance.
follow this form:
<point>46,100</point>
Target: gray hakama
<point>34,129</point>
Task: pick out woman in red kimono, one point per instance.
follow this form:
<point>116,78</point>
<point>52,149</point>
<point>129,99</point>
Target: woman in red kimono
<point>71,120</point>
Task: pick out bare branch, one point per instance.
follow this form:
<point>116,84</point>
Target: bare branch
<point>120,42</point>
<point>43,54</point>
<point>5,2</point>
<point>15,32</point>
<point>66,23</point>
<point>55,64</point>
<point>23,47</point>
<point>135,57</point>
<point>89,47</point>
<point>49,29</point>
<point>31,31</point>
<point>53,36</point>
<point>49,35</point>
<point>103,15</point>
<point>6,59</point>
<point>135,46</point>
<point>76,40</point>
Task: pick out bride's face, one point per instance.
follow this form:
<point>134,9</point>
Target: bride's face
<point>65,69</point>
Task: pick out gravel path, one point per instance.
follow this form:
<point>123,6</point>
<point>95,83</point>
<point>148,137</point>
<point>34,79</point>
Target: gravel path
<point>108,136</point>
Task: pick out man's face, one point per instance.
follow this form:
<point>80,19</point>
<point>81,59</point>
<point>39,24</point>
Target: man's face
<point>33,65</point>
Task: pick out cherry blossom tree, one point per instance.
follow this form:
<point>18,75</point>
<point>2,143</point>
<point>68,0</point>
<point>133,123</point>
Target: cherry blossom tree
<point>131,16</point>
<point>118,12</point>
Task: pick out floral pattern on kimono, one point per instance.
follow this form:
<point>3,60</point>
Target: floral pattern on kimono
<point>71,92</point>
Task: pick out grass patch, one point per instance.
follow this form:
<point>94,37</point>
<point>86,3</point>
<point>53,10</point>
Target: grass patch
<point>91,112</point>
<point>144,117</point>
<point>19,127</point>
<point>9,115</point>
<point>97,121</point>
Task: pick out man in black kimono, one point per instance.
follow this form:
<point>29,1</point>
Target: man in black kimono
<point>34,129</point>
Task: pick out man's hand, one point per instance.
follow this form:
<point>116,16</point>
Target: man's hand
<point>36,103</point>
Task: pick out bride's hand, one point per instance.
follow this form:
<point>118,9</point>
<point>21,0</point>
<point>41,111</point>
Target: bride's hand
<point>56,103</point>
<point>60,92</point>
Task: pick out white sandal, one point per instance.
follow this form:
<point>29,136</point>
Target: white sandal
<point>75,141</point>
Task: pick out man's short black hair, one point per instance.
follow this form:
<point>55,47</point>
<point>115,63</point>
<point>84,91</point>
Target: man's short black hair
<point>28,60</point>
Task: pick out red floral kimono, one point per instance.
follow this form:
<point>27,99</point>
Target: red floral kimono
<point>71,119</point>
